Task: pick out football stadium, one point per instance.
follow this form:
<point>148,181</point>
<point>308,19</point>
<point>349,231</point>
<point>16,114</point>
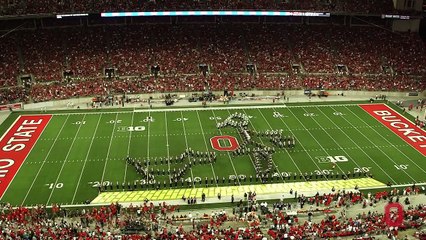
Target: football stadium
<point>246,119</point>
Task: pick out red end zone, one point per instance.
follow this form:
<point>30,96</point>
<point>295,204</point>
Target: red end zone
<point>16,144</point>
<point>408,131</point>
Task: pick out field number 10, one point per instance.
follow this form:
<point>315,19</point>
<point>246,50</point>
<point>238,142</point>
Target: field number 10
<point>52,185</point>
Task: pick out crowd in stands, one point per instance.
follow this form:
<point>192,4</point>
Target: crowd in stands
<point>96,6</point>
<point>258,220</point>
<point>236,57</point>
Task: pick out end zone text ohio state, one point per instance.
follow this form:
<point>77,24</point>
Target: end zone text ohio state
<point>16,144</point>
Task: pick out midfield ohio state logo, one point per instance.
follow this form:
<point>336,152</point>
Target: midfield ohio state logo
<point>231,143</point>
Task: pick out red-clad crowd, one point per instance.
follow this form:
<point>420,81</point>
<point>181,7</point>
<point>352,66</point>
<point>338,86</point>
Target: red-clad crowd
<point>52,6</point>
<point>163,221</point>
<point>238,57</point>
<point>340,225</point>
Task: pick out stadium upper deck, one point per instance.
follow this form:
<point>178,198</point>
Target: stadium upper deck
<point>178,50</point>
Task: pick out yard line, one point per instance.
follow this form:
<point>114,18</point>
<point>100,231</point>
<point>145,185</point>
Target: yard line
<point>251,159</point>
<point>390,143</point>
<point>147,147</point>
<point>325,177</point>
<point>85,160</point>
<point>298,169</point>
<point>359,147</point>
<point>65,161</point>
<point>375,145</point>
<point>109,149</point>
<point>229,155</point>
<point>128,148</point>
<point>205,143</point>
<point>275,165</point>
<point>186,142</point>
<point>337,127</point>
<point>313,137</point>
<point>167,145</point>
<point>44,161</point>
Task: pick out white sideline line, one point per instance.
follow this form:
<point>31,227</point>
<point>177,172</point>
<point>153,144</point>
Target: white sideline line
<point>64,162</point>
<point>186,142</point>
<point>128,149</point>
<point>300,143</point>
<point>207,147</point>
<point>44,161</point>
<point>103,204</point>
<point>229,155</point>
<point>395,186</point>
<point>393,144</point>
<point>109,149</point>
<point>85,160</point>
<point>275,165</point>
<point>291,157</point>
<point>236,107</point>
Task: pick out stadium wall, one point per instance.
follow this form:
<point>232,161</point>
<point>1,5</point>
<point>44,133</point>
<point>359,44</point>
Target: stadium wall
<point>359,95</point>
<point>406,25</point>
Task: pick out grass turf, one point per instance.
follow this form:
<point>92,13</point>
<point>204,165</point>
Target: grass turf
<point>76,150</point>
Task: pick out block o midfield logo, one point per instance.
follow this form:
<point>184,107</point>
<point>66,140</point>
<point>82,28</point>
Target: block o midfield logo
<point>233,143</point>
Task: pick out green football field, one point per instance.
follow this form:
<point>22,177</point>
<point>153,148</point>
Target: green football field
<point>79,149</point>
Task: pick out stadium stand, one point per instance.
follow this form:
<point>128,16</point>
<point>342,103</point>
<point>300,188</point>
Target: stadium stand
<point>261,220</point>
<point>227,50</point>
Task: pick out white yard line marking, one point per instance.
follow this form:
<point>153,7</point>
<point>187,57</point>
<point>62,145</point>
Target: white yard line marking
<point>377,146</point>
<point>128,149</point>
<point>44,161</point>
<point>229,155</point>
<point>275,165</point>
<point>316,140</point>
<point>393,180</point>
<point>64,162</point>
<point>167,145</point>
<point>331,137</point>
<point>109,149</point>
<point>147,147</point>
<point>205,143</point>
<point>298,169</point>
<point>86,159</point>
<point>300,143</point>
<point>186,142</point>
<point>390,142</point>
<point>238,134</point>
<point>351,139</point>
